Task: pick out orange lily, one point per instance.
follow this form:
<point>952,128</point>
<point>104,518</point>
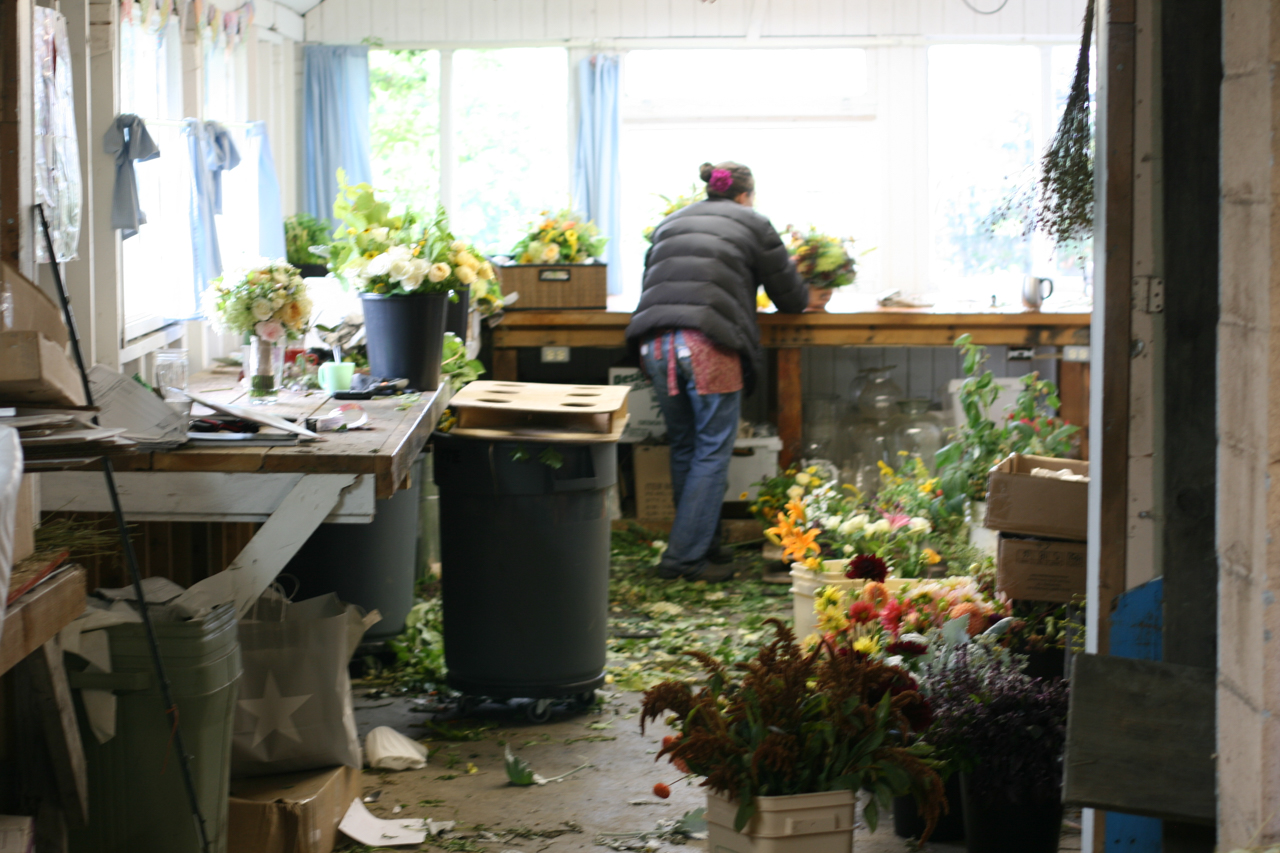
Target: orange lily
<point>796,510</point>
<point>800,544</point>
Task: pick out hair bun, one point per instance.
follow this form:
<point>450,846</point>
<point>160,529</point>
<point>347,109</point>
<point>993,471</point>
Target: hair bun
<point>705,170</point>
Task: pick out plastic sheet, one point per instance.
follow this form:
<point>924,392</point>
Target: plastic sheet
<point>57,153</point>
<point>387,749</point>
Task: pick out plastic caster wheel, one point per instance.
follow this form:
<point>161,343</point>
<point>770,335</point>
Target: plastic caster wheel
<point>585,701</point>
<point>538,711</point>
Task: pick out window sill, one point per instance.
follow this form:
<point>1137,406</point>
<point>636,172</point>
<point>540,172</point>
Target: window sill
<point>138,347</point>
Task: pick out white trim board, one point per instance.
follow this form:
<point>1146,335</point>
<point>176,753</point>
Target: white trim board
<point>196,495</point>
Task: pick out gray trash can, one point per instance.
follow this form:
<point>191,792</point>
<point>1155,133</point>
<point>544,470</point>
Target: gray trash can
<point>137,800</point>
<point>525,555</point>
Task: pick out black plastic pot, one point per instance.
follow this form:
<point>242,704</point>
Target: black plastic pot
<point>1006,827</point>
<point>313,270</point>
<point>405,337</point>
<point>907,822</point>
<point>457,313</point>
<point>524,549</point>
<point>1050,663</point>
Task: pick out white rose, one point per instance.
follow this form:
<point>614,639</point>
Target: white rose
<point>803,479</point>
<point>381,265</point>
<point>261,309</point>
<point>466,259</point>
<point>795,492</point>
<point>919,525</point>
<point>400,269</point>
<point>853,525</point>
<point>400,253</point>
<point>831,522</point>
<point>848,549</point>
<point>276,303</point>
<point>457,246</point>
<point>280,277</point>
<point>550,253</point>
<point>465,274</point>
<point>879,527</point>
<point>438,273</point>
<point>380,234</point>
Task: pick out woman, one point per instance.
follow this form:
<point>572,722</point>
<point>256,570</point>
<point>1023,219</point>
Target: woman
<point>695,328</point>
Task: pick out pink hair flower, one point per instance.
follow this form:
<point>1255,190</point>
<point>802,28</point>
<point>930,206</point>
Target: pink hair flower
<point>721,180</point>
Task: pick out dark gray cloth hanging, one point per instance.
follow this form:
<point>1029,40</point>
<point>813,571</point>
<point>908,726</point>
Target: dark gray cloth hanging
<point>127,140</point>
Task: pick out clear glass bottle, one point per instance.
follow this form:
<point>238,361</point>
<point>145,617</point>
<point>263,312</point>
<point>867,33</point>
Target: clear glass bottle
<point>821,430</point>
<point>916,431</point>
<point>876,394</point>
<point>264,371</point>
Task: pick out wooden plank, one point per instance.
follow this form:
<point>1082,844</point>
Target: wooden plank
<point>1073,390</point>
<point>1140,738</point>
<point>790,405</point>
<point>1116,297</point>
<point>52,695</point>
<point>38,616</point>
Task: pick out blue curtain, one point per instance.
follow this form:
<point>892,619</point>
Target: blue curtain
<point>336,122</point>
<point>270,219</point>
<point>204,231</point>
<point>596,175</point>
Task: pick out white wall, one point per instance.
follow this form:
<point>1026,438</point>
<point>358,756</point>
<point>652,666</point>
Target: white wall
<point>405,23</point>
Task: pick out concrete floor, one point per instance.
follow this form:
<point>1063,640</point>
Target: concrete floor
<point>614,794</point>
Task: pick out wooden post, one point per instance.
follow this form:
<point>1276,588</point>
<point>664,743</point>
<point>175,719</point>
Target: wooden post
<point>1073,390</point>
<point>506,364</point>
<point>790,405</point>
<point>17,137</point>
<point>52,695</point>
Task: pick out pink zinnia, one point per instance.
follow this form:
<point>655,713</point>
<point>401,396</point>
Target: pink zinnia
<point>721,180</point>
<point>897,520</point>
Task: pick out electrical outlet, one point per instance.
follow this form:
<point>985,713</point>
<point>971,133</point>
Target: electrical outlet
<point>555,355</point>
<point>1075,353</point>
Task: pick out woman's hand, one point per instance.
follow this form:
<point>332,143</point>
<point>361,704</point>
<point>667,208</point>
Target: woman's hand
<point>818,299</point>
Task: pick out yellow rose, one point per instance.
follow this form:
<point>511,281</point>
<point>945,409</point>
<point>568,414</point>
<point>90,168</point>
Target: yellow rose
<point>291,314</point>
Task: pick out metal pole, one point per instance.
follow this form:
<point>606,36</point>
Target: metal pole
<point>131,559</point>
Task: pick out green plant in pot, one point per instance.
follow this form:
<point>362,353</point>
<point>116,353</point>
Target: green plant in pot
<point>302,231</point>
<point>798,730</point>
<point>980,442</point>
<point>406,271</point>
<point>1005,732</point>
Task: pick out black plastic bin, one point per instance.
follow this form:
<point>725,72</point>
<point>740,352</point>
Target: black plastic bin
<point>525,554</point>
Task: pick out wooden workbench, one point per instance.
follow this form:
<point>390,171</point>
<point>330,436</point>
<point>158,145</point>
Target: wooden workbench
<point>292,489</point>
<point>787,333</point>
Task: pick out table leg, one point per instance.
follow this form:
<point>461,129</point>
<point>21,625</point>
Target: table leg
<point>52,694</point>
<point>505,364</point>
<point>1073,390</point>
<point>790,405</point>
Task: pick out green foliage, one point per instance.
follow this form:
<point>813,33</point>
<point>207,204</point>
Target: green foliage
<point>455,366</point>
<point>980,442</point>
<point>561,238</point>
<point>404,117</point>
<point>420,647</point>
<point>696,193</point>
<point>301,232</point>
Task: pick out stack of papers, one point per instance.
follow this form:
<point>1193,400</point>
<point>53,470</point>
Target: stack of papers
<point>141,416</point>
<point>56,435</point>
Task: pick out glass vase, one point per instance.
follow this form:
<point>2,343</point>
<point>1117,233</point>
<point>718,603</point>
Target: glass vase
<point>264,371</point>
<point>917,432</point>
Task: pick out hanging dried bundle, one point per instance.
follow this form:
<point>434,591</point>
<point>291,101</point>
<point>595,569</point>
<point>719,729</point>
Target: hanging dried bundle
<point>1065,208</point>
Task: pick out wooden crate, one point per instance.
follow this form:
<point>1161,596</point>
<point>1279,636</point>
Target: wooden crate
<point>555,286</point>
<point>34,369</point>
<point>537,411</point>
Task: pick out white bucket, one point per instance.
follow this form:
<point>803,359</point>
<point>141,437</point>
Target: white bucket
<point>984,539</point>
<point>804,586</point>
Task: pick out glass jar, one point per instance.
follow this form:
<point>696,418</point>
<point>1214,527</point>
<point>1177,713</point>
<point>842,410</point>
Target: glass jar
<point>169,375</point>
<point>875,393</point>
<point>915,431</point>
<point>821,431</point>
<point>264,371</point>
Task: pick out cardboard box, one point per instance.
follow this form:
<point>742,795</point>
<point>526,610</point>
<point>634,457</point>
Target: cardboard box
<point>24,307</point>
<point>558,286</point>
<point>34,369</point>
<point>1040,569</point>
<point>1038,506</point>
<point>290,813</point>
<point>652,463</point>
<point>646,418</point>
<point>26,518</point>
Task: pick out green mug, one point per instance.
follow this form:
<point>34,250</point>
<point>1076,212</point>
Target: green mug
<point>336,375</point>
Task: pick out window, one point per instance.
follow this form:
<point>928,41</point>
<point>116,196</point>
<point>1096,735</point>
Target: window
<point>157,261</point>
<point>404,125</point>
<point>512,148</point>
<point>992,110</point>
<point>803,120</point>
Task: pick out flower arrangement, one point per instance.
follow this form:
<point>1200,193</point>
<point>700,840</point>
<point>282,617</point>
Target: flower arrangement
<point>301,232</point>
<point>822,261</point>
<point>562,238</point>
<point>897,626</point>
<point>981,442</point>
<point>796,722</point>
<point>680,202</point>
<point>269,301</point>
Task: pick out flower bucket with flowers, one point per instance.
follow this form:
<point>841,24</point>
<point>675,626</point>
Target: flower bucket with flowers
<point>268,305</point>
<point>787,740</point>
<point>556,264</point>
<point>824,262</point>
<point>406,272</point>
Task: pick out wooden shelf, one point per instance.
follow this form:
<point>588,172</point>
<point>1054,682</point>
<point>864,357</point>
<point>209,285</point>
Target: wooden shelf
<point>40,614</point>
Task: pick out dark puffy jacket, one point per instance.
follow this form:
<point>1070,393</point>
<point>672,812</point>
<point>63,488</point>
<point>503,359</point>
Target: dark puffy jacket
<point>702,271</point>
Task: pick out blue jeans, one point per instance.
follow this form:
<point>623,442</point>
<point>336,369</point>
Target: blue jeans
<point>701,429</point>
